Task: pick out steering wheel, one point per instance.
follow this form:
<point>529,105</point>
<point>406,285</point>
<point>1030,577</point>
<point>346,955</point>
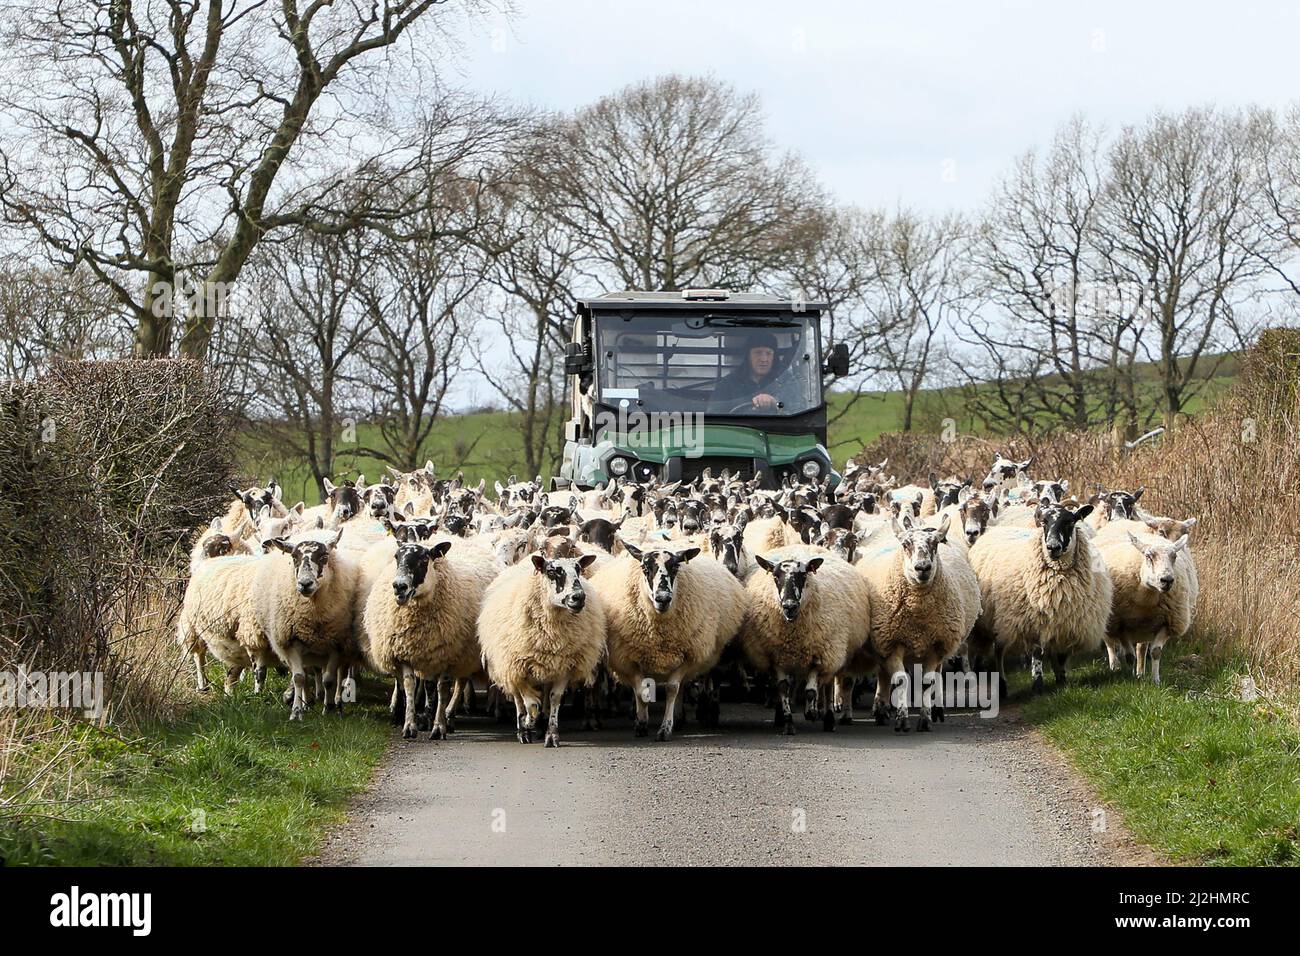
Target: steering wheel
<point>749,403</point>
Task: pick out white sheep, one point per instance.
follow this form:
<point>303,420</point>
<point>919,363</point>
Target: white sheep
<point>541,625</point>
<point>806,616</point>
<point>214,542</point>
<point>420,620</point>
<point>670,613</point>
<point>924,601</point>
<point>303,605</point>
<point>1155,592</point>
<point>1044,590</point>
<point>215,611</point>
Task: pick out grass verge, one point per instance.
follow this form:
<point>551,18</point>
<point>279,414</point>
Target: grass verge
<point>1198,773</point>
<point>232,783</point>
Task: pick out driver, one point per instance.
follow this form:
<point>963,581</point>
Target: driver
<point>752,380</point>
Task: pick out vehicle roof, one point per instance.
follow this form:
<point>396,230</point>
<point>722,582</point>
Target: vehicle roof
<point>673,301</point>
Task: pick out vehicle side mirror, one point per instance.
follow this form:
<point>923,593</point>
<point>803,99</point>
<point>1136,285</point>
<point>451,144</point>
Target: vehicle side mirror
<point>838,364</point>
<point>575,359</point>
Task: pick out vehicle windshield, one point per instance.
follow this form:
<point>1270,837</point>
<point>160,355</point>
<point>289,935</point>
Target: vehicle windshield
<point>715,363</point>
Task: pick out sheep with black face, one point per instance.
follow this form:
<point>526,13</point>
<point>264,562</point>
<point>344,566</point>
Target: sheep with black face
<point>542,626</point>
<point>1045,591</point>
<point>670,612</point>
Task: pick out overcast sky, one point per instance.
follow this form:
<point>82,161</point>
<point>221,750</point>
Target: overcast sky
<point>922,104</point>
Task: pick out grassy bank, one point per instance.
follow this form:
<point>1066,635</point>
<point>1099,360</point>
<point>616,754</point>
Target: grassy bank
<point>231,783</point>
<point>1202,775</point>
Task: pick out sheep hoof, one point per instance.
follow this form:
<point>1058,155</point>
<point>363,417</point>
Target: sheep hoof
<point>937,713</point>
<point>664,734</point>
<point>525,737</point>
<point>828,721</point>
<point>437,733</point>
<point>881,718</point>
<point>901,725</point>
<point>642,728</point>
<point>789,728</point>
<point>451,725</point>
<point>1038,684</point>
<point>923,724</point>
<point>846,719</point>
<point>409,732</point>
<point>552,740</point>
<point>287,697</point>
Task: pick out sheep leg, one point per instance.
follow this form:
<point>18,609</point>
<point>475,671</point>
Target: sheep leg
<point>591,707</point>
<point>880,706</point>
<point>929,686</point>
<point>642,726</point>
<point>439,730</point>
<point>457,689</point>
<point>674,685</point>
<point>899,691</point>
<point>1058,668</point>
<point>810,697</point>
<point>299,684</point>
<point>200,662</point>
<point>937,699</point>
<point>553,718</point>
<point>844,698</point>
<point>407,676</point>
<point>1002,673</point>
<point>259,678</point>
<point>784,707</point>
<point>1141,666</point>
<point>826,703</point>
<point>523,729</point>
<point>328,683</point>
<point>395,708</point>
<point>1114,657</point>
<point>1154,650</point>
<point>320,683</point>
<point>233,673</point>
<point>1036,668</point>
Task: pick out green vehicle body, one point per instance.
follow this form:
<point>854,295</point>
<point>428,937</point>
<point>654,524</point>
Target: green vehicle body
<point>660,433</point>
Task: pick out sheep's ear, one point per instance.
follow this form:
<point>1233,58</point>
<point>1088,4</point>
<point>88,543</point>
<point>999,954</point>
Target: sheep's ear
<point>279,544</point>
<point>943,527</point>
<point>993,508</point>
<point>299,508</point>
<point>763,563</point>
<point>1038,516</point>
<point>1136,541</point>
<point>1083,512</point>
<point>1093,499</point>
<point>1152,524</point>
<point>1138,494</point>
<point>393,471</point>
<point>895,526</point>
<point>685,556</point>
<point>338,535</point>
<point>814,564</point>
<point>361,482</point>
<point>1065,484</point>
<point>934,482</point>
<point>439,549</point>
<point>539,562</point>
<point>586,561</point>
<point>390,527</point>
<point>1189,524</point>
<point>573,503</point>
<point>631,549</point>
<point>215,525</point>
<point>329,486</point>
<point>742,519</point>
<point>501,492</point>
<point>1181,544</point>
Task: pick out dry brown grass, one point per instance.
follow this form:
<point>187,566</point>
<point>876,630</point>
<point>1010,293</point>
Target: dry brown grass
<point>1236,469</point>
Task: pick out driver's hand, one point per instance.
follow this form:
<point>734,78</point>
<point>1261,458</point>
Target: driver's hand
<point>764,400</point>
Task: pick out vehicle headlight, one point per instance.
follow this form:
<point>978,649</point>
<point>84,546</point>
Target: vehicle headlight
<point>618,467</point>
<point>812,469</point>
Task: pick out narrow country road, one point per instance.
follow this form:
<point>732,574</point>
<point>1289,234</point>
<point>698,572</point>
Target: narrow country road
<point>976,791</point>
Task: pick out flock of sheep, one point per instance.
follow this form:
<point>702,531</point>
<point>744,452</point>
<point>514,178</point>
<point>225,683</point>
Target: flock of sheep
<point>643,585</point>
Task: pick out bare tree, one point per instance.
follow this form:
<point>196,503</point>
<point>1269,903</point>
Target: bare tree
<point>1180,220</point>
<point>1278,159</point>
<point>670,183</point>
<point>307,338</point>
<point>136,129</point>
<point>47,314</point>
<point>1057,341</point>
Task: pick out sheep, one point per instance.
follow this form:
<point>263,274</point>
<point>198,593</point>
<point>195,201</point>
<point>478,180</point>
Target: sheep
<point>726,543</point>
<point>1155,592</point>
<point>303,606</point>
<point>975,512</point>
<point>669,614</point>
<point>541,625</point>
<point>214,610</point>
<point>805,617</point>
<point>1004,471</point>
<point>768,534</point>
<point>912,499</point>
<point>1044,591</point>
<point>925,600</point>
<point>214,542</point>
<point>842,542</point>
<point>1114,505</point>
<point>240,518</point>
<point>420,619</point>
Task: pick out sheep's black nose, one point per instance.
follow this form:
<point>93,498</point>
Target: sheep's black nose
<point>1167,582</point>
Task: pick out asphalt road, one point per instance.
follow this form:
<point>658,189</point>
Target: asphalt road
<point>975,791</point>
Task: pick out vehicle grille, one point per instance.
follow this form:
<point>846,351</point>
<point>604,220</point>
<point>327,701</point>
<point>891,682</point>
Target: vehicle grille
<point>692,468</point>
